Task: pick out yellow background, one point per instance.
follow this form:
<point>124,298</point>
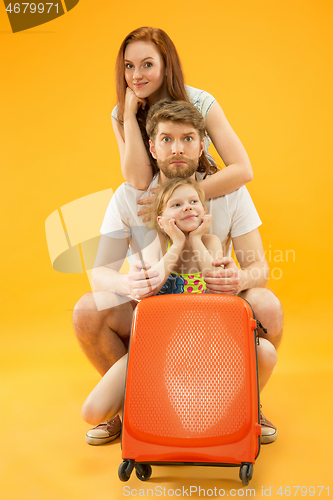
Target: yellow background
<point>269,64</point>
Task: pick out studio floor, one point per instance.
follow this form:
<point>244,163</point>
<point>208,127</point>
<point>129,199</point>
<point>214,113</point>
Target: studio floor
<point>45,379</point>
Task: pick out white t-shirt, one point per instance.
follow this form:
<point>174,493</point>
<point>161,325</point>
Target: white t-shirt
<point>233,215</point>
<point>199,98</point>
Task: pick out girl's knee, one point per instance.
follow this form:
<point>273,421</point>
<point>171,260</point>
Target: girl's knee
<point>90,414</point>
<point>267,355</point>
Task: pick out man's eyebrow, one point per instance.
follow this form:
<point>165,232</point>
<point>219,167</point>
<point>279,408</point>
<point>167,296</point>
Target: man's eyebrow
<point>185,133</point>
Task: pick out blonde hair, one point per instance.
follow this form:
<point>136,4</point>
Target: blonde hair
<point>164,195</point>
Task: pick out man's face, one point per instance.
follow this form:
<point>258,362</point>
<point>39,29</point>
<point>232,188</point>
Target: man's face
<point>177,149</point>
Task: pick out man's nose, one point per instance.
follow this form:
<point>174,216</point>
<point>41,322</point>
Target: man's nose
<point>177,147</point>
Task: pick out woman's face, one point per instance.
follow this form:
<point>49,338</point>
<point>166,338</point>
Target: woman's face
<point>145,71</point>
<point>185,207</point>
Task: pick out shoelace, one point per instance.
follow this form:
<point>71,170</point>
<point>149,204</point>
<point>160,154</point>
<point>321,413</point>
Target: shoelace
<point>264,421</point>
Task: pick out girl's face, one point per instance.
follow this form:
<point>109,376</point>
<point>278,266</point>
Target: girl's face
<point>185,207</point>
<point>145,71</point>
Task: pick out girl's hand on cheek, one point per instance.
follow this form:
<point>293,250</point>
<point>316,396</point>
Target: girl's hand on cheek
<point>173,231</point>
<point>132,103</point>
<point>203,228</point>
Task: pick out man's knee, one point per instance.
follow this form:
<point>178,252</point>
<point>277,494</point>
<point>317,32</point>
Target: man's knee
<point>266,303</point>
<point>267,308</point>
<point>89,318</point>
<point>82,314</point>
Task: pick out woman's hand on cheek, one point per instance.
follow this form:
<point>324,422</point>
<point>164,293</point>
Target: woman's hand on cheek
<point>172,230</point>
<point>132,103</point>
<point>203,228</point>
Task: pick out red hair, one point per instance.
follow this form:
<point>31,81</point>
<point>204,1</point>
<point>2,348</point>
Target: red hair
<point>174,75</point>
<point>167,49</point>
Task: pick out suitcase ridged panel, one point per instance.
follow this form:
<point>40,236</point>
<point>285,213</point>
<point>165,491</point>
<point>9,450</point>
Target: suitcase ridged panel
<point>189,376</point>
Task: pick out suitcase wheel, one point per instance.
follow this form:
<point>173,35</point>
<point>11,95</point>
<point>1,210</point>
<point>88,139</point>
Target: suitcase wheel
<point>125,470</point>
<point>143,471</point>
<point>246,473</point>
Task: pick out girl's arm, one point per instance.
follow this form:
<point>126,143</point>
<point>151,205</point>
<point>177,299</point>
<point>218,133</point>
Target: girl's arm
<point>106,398</point>
<point>232,152</point>
<point>166,264</point>
<point>207,247</point>
<point>135,162</point>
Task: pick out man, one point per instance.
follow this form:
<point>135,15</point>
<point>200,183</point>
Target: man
<point>102,319</point>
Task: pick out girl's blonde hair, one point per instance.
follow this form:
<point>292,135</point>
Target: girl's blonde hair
<point>164,194</point>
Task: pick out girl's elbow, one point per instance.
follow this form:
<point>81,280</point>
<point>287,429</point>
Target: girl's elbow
<point>95,281</point>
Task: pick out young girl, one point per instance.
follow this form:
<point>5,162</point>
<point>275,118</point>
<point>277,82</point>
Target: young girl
<point>182,253</point>
<point>148,69</point>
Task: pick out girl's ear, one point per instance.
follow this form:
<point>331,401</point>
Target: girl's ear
<point>159,221</point>
<point>152,150</point>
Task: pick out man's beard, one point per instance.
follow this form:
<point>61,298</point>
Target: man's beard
<point>183,171</point>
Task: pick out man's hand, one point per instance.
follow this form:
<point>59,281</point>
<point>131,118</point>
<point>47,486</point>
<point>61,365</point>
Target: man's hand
<point>144,212</point>
<point>226,280</point>
<point>141,282</point>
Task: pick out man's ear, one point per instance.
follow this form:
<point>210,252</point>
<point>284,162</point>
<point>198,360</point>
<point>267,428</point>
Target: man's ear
<point>151,149</point>
<point>201,147</point>
<point>159,221</point>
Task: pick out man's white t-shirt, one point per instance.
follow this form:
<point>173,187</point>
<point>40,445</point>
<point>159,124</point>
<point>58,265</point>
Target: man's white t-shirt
<point>232,215</point>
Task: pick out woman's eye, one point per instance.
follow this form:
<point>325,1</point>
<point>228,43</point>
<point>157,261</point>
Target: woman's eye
<point>148,65</point>
<point>128,66</point>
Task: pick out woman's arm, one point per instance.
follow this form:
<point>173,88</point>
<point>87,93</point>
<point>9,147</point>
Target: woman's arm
<point>231,151</point>
<point>135,162</point>
<point>166,264</point>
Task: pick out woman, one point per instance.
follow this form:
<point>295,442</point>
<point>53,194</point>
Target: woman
<point>148,69</point>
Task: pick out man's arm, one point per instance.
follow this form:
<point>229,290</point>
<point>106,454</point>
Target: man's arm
<point>109,259</point>
<point>250,254</point>
<point>254,270</point>
<point>106,277</point>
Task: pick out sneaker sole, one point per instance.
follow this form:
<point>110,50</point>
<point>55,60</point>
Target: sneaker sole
<point>269,439</point>
<point>95,441</point>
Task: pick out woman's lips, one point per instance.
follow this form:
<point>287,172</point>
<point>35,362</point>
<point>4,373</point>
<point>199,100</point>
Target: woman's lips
<point>139,85</point>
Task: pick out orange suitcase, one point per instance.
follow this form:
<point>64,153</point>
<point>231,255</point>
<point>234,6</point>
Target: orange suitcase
<point>191,394</point>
